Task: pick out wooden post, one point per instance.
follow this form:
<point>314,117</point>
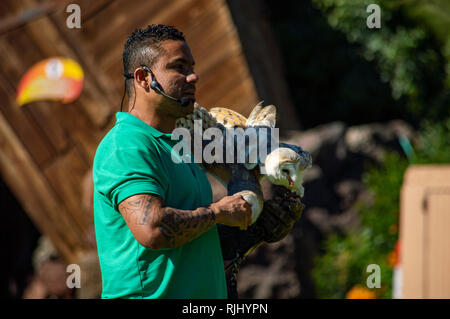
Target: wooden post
<point>424,232</point>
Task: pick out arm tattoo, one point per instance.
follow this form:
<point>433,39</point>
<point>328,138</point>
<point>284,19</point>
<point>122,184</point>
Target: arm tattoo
<point>177,226</point>
<point>181,226</point>
<point>137,210</point>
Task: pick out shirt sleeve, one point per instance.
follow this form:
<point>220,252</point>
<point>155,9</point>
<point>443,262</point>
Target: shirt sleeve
<point>127,171</point>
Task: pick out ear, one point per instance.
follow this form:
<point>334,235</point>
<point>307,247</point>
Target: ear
<point>141,78</point>
<point>265,117</point>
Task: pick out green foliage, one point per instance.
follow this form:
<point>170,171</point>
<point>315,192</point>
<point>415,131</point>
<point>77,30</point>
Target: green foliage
<point>346,257</point>
<point>339,69</point>
<point>406,52</point>
<point>434,143</point>
<point>329,79</point>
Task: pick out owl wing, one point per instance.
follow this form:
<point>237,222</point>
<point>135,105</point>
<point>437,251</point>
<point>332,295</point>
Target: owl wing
<point>262,116</point>
<point>227,117</point>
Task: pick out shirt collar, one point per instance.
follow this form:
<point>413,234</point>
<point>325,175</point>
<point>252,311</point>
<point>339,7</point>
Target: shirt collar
<point>125,117</point>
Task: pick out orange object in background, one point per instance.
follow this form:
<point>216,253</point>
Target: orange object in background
<point>359,292</point>
<point>55,78</point>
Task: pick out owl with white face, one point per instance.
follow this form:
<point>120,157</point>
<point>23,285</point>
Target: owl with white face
<point>283,165</point>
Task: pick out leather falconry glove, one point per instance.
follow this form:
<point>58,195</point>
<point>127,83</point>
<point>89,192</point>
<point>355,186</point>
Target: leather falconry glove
<point>277,219</point>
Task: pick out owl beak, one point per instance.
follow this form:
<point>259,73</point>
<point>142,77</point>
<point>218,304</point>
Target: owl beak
<point>291,182</point>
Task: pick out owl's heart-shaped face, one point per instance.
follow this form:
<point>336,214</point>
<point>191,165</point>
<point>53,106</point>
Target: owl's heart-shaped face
<point>285,167</point>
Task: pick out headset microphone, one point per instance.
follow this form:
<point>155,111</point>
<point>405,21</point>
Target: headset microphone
<point>184,101</point>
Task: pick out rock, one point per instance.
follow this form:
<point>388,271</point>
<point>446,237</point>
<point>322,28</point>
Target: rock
<point>374,140</point>
<point>316,139</point>
<point>325,144</point>
<point>276,259</point>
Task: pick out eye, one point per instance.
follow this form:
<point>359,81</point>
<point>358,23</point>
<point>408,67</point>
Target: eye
<point>285,171</point>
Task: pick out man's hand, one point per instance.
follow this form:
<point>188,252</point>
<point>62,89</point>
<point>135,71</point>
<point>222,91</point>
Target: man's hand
<point>233,211</point>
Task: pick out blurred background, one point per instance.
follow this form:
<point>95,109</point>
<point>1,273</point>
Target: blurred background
<point>372,106</point>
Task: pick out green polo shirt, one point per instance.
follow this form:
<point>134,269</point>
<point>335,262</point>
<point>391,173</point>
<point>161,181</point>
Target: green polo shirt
<point>134,158</point>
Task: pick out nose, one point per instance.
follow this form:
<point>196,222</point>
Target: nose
<point>192,78</point>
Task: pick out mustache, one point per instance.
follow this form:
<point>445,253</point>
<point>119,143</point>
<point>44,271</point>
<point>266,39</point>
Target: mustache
<point>190,88</point>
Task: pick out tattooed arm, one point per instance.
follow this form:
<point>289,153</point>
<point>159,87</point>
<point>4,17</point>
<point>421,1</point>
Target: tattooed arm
<point>156,227</point>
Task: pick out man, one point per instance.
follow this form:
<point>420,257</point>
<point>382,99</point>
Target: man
<point>154,220</point>
<point>156,228</point>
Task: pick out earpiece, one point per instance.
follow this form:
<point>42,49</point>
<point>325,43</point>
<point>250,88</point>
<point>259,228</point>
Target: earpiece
<point>155,86</point>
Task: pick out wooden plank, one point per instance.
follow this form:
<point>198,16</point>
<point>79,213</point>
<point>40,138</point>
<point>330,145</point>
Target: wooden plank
<point>30,187</point>
<point>195,20</point>
<point>44,115</point>
<point>224,45</point>
<point>4,11</point>
<point>241,97</point>
<point>88,143</point>
<point>40,112</point>
<point>437,250</point>
<point>412,239</point>
<point>47,38</point>
<point>92,8</point>
<point>415,226</point>
<point>100,81</point>
<point>118,17</point>
<point>83,134</point>
<point>65,175</point>
<point>98,113</point>
<point>19,19</point>
<point>24,126</point>
<point>109,53</point>
<point>221,83</point>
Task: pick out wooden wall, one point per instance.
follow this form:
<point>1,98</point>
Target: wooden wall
<point>46,148</point>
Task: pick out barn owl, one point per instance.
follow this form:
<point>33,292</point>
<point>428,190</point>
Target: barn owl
<point>284,164</point>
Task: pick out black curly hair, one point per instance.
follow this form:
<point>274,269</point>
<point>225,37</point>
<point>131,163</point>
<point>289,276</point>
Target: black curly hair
<point>143,46</point>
